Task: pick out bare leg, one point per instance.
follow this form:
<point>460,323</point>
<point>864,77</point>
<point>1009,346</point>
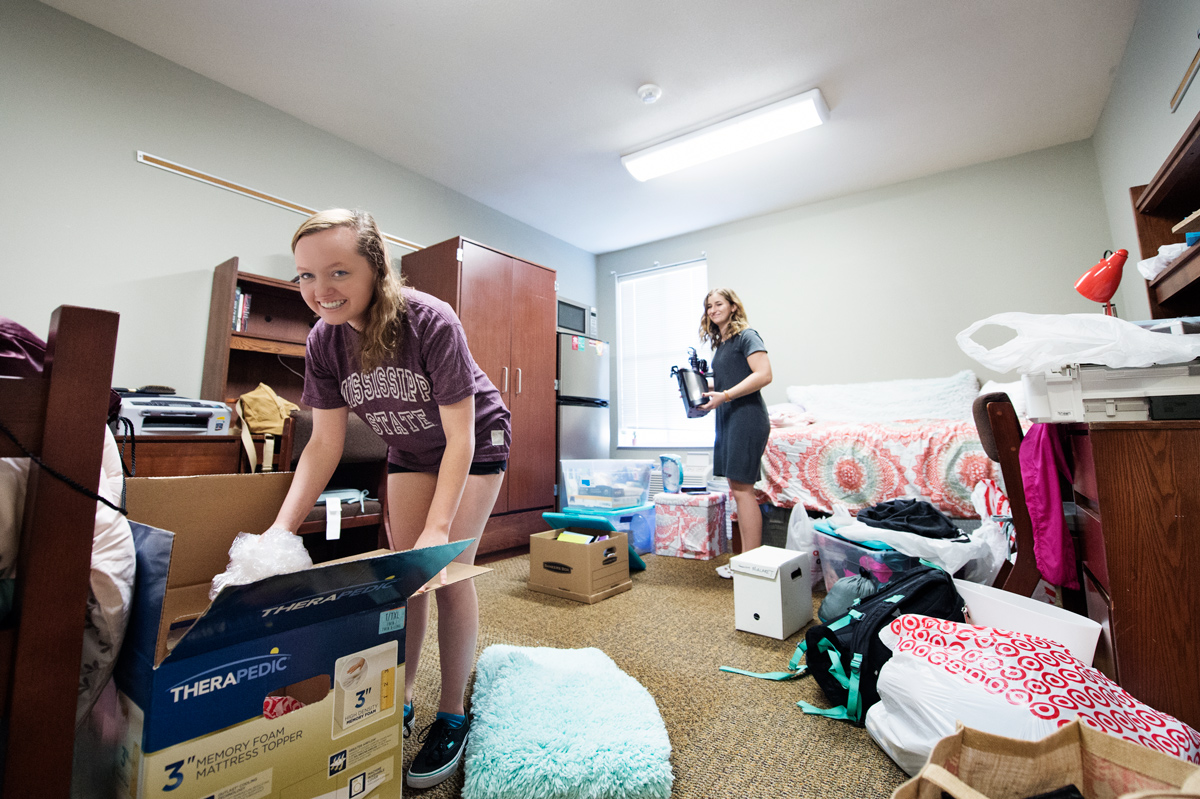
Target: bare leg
<point>749,514</point>
<point>458,604</point>
<point>409,496</point>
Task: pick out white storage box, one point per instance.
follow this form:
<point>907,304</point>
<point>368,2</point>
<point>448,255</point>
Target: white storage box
<point>772,592</point>
<point>606,484</point>
<point>1004,610</point>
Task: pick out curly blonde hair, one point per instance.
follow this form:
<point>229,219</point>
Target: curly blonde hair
<point>711,334</point>
<point>382,335</point>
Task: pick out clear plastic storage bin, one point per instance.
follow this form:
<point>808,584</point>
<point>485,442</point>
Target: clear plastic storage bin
<point>841,558</point>
<point>606,484</point>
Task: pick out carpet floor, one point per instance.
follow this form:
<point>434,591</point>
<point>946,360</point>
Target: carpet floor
<point>731,736</point>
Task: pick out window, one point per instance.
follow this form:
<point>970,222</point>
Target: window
<point>658,319</point>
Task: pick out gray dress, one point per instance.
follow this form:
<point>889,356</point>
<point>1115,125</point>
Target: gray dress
<point>742,424</point>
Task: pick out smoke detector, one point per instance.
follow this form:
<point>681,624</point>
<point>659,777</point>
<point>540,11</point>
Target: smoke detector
<point>648,93</point>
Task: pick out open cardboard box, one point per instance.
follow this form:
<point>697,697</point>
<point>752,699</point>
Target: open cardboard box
<point>194,677</point>
<point>582,572</point>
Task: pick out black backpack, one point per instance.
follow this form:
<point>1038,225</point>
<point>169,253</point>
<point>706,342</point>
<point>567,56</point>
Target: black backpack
<point>845,655</point>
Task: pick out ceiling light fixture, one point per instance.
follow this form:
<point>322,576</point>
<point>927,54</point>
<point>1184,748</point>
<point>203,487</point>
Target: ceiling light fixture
<point>741,132</point>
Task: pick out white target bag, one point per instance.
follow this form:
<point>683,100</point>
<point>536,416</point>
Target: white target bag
<point>1002,682</point>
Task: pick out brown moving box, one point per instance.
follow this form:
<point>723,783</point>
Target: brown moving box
<point>583,572</point>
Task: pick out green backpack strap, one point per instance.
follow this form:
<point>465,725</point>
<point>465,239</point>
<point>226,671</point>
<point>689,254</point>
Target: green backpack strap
<point>795,670</point>
<point>852,710</point>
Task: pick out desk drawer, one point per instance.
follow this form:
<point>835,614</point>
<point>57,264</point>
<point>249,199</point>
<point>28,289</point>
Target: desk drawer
<point>1099,609</point>
<point>1091,539</point>
<point>1085,468</point>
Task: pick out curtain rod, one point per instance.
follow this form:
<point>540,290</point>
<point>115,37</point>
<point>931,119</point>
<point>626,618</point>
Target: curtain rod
<point>659,268</point>
<point>221,183</point>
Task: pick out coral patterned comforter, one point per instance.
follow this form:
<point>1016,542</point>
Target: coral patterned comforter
<point>860,464</point>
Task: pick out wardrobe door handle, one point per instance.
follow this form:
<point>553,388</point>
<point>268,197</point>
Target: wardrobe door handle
<point>518,380</point>
<point>505,389</point>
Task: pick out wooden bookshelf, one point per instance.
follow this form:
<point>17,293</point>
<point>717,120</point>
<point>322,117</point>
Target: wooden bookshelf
<point>1161,209</point>
<point>270,347</point>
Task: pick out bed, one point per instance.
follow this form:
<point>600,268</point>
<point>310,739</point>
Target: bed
<point>860,444</point>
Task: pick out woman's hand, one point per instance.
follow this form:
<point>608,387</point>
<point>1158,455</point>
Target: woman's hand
<point>715,400</point>
<point>432,537</point>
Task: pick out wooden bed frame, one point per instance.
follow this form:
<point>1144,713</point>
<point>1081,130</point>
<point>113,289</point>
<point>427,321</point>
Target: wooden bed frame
<point>60,418</point>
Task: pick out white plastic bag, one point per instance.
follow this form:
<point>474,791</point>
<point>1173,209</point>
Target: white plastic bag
<point>1052,341</point>
<point>253,557</point>
<point>1006,683</point>
<point>991,538</point>
<point>800,539</point>
<point>1153,267</point>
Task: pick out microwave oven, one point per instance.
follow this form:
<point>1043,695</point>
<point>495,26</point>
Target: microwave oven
<point>576,317</point>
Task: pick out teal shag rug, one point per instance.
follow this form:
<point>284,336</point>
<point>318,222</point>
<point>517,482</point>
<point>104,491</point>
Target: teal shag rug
<point>563,724</point>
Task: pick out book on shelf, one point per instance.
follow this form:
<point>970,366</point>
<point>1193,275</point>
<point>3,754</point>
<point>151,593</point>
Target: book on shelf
<point>241,310</point>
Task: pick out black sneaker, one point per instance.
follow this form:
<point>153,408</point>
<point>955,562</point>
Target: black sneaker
<point>440,754</point>
<point>409,712</point>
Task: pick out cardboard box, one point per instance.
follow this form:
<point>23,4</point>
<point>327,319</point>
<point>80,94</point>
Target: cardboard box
<point>772,592</point>
<point>195,678</point>
<point>583,572</point>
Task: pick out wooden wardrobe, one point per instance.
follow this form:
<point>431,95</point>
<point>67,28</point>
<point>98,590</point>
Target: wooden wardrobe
<point>507,307</point>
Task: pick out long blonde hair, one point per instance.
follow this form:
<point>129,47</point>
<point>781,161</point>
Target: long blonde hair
<point>382,335</point>
<point>711,334</point>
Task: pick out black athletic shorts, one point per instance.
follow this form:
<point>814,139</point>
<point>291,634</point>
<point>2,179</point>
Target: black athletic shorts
<point>478,467</point>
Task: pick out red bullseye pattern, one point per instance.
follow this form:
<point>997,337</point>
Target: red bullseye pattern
<point>1043,676</point>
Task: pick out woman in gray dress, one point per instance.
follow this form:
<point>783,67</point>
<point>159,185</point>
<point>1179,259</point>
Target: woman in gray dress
<point>740,370</point>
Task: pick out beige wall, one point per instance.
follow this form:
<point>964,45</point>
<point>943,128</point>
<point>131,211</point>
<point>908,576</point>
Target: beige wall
<point>84,223</point>
<point>876,285</point>
<point>1137,130</point>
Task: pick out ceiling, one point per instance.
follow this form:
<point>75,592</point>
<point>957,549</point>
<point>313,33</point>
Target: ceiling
<point>527,105</point>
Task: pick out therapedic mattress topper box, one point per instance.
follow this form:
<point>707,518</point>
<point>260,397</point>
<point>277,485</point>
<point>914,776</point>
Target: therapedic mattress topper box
<point>193,671</point>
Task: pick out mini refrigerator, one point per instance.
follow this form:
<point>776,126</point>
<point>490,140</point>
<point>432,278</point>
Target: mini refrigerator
<point>583,416</point>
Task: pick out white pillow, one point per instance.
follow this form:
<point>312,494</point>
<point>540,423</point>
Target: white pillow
<point>890,400</point>
<point>1014,390</point>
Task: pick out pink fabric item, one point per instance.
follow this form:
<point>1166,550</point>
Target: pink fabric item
<point>690,525</point>
<point>1042,461</point>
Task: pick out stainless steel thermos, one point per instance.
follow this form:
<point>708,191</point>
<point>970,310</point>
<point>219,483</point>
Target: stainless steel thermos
<point>693,383</point>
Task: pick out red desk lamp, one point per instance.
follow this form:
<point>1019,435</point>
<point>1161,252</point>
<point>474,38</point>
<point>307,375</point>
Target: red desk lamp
<point>1099,283</point>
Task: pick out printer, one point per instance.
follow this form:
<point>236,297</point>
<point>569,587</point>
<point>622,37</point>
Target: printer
<point>158,414</point>
<point>1094,393</point>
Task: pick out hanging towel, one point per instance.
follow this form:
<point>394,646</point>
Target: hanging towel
<point>1042,461</point>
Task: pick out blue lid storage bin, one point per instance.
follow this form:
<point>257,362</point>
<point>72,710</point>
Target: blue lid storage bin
<point>637,522</point>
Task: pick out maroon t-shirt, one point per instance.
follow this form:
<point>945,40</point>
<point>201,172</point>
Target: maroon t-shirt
<point>400,399</point>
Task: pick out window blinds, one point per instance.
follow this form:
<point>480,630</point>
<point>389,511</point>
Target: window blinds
<point>658,318</point>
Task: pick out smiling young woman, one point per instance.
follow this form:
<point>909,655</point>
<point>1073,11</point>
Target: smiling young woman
<point>399,359</point>
<point>741,369</point>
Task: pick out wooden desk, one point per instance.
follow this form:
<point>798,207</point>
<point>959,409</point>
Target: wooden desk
<point>1137,485</point>
<point>177,456</point>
